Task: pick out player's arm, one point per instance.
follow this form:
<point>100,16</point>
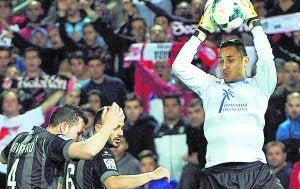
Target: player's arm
<point>133,181</point>
<point>194,78</point>
<point>266,71</point>
<point>89,148</point>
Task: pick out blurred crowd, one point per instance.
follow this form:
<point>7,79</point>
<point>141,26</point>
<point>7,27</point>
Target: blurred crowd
<point>74,51</point>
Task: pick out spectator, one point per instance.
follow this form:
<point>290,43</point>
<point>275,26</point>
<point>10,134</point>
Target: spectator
<point>294,178</point>
<point>89,129</point>
<point>39,37</point>
<point>16,22</point>
<point>55,39</point>
<point>5,59</point>
<point>148,163</point>
<point>139,127</point>
<point>170,138</point>
<point>12,122</point>
<point>74,20</point>
<point>95,100</point>
<point>276,159</point>
<point>126,163</point>
<point>284,7</point>
<point>276,113</point>
<point>259,6</point>
<point>196,141</point>
<point>51,57</point>
<point>112,89</point>
<point>79,68</point>
<point>158,34</point>
<point>291,127</point>
<point>34,15</point>
<point>31,97</point>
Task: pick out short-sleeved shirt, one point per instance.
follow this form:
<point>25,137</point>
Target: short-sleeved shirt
<point>36,159</point>
<point>10,127</point>
<point>90,173</point>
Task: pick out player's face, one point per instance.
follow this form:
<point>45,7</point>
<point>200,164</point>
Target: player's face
<point>115,137</point>
<point>232,64</point>
<point>275,156</point>
<point>133,110</point>
<point>293,108</point>
<point>196,115</point>
<point>75,131</point>
<point>121,149</point>
<point>147,164</point>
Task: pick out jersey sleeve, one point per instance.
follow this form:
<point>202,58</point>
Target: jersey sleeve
<point>193,77</point>
<point>57,148</point>
<point>5,151</point>
<point>266,76</point>
<point>105,165</point>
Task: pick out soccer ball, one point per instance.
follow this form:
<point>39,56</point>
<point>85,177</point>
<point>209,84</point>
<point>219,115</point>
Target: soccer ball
<point>228,14</point>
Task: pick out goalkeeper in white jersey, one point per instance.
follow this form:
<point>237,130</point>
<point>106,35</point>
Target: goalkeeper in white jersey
<point>234,106</point>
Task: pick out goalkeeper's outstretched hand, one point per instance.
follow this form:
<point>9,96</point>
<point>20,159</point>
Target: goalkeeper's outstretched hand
<point>251,18</point>
<point>206,24</point>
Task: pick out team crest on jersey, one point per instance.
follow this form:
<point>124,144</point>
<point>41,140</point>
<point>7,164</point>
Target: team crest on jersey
<point>110,164</point>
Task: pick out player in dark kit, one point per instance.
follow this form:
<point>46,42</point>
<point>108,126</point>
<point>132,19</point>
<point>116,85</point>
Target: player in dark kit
<point>36,158</point>
<point>102,171</point>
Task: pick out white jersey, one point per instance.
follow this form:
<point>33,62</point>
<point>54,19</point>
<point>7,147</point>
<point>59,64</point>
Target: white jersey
<point>234,112</point>
<point>10,127</point>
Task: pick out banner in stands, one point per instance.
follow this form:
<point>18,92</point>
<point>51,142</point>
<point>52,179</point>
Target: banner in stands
<point>271,25</point>
<point>49,82</point>
<point>168,51</point>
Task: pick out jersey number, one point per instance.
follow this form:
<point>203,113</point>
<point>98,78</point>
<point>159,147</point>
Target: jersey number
<point>11,180</point>
<point>70,172</point>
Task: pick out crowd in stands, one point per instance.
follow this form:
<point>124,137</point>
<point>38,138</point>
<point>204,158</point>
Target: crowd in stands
<point>76,52</point>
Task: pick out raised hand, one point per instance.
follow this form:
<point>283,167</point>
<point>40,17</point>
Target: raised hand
<point>206,24</point>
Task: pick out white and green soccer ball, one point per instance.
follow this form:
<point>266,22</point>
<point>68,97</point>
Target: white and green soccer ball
<point>228,14</point>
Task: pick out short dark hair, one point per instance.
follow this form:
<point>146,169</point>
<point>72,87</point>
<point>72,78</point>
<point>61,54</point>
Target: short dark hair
<point>170,96</point>
<point>88,24</point>
<point>237,43</point>
<point>139,19</point>
<point>98,115</point>
<point>194,102</point>
<point>67,113</point>
<point>32,49</point>
<point>133,96</point>
<point>148,153</point>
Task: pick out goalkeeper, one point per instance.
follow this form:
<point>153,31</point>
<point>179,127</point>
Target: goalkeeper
<point>234,106</point>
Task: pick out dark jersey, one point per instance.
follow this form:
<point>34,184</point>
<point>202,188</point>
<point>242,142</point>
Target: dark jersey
<point>35,159</point>
<point>90,174</point>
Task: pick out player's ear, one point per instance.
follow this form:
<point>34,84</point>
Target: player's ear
<point>63,127</point>
<point>245,61</point>
<point>97,127</point>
